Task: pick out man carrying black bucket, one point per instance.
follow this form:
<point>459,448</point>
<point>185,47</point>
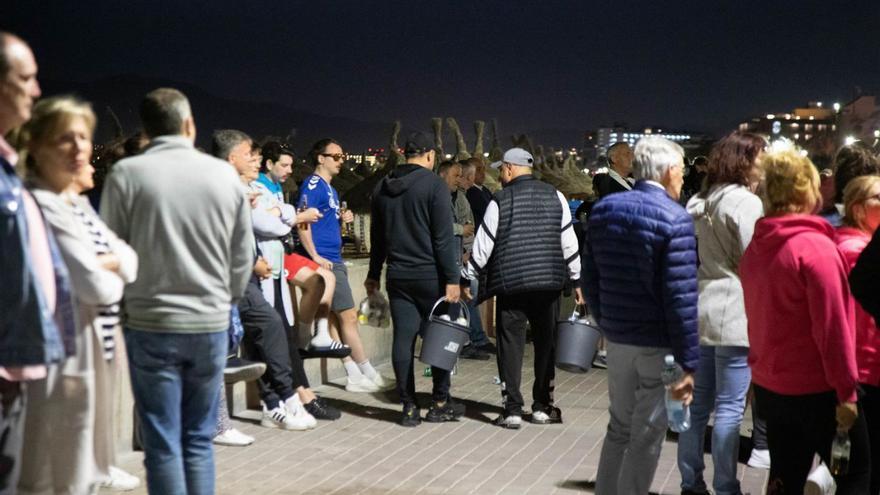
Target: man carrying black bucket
<point>523,252</point>
<point>411,228</point>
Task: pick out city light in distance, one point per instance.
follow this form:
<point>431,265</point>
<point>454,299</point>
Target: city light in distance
<point>849,140</point>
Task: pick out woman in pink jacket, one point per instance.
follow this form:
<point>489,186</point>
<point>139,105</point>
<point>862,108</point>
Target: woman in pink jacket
<point>861,199</point>
<point>801,330</point>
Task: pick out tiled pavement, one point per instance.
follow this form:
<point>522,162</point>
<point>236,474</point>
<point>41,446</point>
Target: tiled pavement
<point>366,452</point>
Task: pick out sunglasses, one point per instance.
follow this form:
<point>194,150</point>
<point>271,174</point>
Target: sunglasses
<point>336,156</point>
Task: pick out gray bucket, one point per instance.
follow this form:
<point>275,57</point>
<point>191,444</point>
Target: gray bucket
<point>576,345</point>
<point>443,340</point>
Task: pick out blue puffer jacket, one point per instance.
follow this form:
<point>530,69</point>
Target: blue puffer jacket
<point>640,272</point>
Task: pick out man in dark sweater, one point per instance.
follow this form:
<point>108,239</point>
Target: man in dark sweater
<point>524,251</point>
<point>411,229</point>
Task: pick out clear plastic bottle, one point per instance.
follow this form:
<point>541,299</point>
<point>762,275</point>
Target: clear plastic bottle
<point>677,413</point>
<point>840,449</point>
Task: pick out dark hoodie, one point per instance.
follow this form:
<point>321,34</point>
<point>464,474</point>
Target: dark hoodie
<point>801,316</point>
<point>411,227</point>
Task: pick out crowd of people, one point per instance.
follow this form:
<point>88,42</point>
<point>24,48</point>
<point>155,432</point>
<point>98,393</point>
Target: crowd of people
<point>760,281</point>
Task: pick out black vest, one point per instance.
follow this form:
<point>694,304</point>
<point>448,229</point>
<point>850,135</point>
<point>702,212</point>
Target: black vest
<point>528,247</point>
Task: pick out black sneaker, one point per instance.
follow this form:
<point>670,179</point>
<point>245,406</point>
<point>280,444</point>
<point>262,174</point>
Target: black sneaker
<point>473,352</point>
<point>320,409</point>
<point>242,370</point>
<point>489,347</point>
<point>411,415</point>
<point>546,415</point>
<point>509,421</point>
<point>449,411</point>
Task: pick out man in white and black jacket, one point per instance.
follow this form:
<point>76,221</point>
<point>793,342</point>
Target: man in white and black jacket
<point>411,229</point>
<point>523,253</point>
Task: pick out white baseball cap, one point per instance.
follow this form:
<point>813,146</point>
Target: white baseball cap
<point>516,156</point>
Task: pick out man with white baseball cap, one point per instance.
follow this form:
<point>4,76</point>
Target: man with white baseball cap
<point>528,228</point>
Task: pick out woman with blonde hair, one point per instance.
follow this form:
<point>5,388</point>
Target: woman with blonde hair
<point>67,428</point>
<point>861,199</point>
<point>801,330</point>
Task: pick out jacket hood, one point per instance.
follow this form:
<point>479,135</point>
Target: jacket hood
<point>401,179</point>
<point>699,204</point>
<point>772,232</point>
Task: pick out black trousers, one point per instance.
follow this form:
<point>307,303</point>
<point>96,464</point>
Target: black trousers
<point>411,302</point>
<point>12,411</point>
<point>265,340</point>
<point>541,310</point>
<point>871,404</point>
<point>799,426</point>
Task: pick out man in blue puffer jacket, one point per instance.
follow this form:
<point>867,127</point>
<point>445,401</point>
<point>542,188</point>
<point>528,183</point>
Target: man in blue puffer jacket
<point>640,282</point>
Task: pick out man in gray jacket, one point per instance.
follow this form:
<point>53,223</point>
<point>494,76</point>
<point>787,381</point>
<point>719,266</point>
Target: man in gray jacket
<point>188,218</point>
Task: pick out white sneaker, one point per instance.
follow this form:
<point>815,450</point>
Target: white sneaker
<point>299,414</point>
<point>233,438</point>
<point>382,382</point>
<point>361,384</point>
<point>281,418</point>
<point>121,480</point>
<point>820,482</point>
<point>759,459</point>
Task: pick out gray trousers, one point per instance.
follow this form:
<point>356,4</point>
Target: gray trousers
<point>638,420</point>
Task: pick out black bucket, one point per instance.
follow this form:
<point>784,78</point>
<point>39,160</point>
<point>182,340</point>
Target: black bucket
<point>576,343</point>
<point>443,340</point>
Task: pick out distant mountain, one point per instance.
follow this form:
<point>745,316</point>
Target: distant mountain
<point>123,95</point>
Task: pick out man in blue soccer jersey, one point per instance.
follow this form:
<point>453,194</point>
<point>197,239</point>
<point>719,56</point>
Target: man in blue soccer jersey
<point>322,241</point>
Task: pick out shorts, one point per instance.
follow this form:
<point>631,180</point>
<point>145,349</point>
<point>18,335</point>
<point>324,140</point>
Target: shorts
<point>342,298</point>
<point>293,263</point>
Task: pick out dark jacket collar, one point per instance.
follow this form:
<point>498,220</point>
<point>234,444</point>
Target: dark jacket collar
<point>521,178</point>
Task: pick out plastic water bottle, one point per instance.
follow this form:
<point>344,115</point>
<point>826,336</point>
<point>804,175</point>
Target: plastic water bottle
<point>678,414</point>
<point>840,453</point>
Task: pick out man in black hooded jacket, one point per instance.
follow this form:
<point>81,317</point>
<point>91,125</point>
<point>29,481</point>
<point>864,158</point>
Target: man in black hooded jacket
<point>411,229</point>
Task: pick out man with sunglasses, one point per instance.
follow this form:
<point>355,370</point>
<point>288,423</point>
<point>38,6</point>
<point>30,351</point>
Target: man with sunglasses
<point>323,243</point>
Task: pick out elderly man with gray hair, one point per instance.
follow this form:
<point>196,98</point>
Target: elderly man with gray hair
<point>640,282</point>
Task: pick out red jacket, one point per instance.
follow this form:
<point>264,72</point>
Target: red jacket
<point>801,316</point>
<point>852,242</point>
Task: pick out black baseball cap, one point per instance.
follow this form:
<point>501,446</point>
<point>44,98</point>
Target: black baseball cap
<point>417,143</point>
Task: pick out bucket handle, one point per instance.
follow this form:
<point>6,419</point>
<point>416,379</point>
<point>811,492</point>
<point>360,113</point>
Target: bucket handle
<point>575,312</point>
<point>463,307</point>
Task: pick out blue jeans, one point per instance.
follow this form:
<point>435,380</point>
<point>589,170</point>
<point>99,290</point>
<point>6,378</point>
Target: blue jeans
<point>721,383</point>
<point>175,378</point>
<point>478,335</point>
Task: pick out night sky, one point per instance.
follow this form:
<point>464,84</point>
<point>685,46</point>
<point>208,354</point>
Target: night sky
<point>701,65</point>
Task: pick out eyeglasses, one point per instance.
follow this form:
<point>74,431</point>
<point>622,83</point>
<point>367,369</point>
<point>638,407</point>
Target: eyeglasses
<point>338,157</point>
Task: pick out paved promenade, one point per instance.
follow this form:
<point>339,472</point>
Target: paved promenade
<point>366,452</point>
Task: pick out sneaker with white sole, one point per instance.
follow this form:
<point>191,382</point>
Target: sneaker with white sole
<point>121,480</point>
<point>820,482</point>
<point>760,459</point>
<point>511,422</point>
<point>233,438</point>
<point>361,384</point>
<point>281,418</point>
<point>546,416</point>
<point>296,409</point>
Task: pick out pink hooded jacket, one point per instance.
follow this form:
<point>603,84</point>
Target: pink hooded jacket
<point>852,242</point>
<point>800,312</point>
